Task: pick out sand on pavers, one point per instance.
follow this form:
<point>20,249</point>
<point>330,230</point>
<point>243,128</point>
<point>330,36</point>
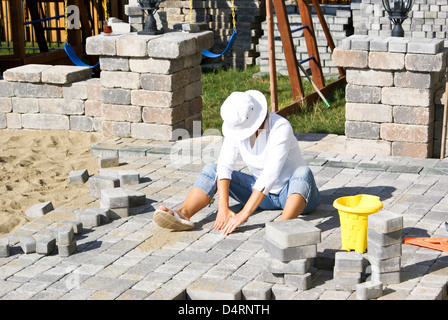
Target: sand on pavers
<point>34,168</point>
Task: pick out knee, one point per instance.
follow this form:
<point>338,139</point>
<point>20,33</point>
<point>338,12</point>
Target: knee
<point>210,170</point>
<point>304,173</point>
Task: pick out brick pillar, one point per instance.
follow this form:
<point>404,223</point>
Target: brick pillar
<point>390,94</point>
<point>151,85</point>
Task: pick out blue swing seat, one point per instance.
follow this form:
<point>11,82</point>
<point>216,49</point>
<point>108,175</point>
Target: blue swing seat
<point>74,57</point>
<point>209,54</point>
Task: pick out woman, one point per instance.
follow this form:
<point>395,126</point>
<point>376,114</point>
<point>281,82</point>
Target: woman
<point>280,179</point>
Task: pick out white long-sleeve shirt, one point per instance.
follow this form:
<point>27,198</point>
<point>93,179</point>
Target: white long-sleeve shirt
<point>272,159</point>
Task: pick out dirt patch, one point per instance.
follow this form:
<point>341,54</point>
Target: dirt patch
<point>34,168</point>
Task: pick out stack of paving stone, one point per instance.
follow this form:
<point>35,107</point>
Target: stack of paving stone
<point>347,270</point>
<point>384,235</point>
<point>292,245</point>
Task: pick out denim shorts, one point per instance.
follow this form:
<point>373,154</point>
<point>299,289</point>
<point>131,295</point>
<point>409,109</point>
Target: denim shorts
<point>241,187</point>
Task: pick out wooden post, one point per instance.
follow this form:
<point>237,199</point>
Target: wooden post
<point>288,49</point>
<point>311,44</point>
<point>18,37</point>
<point>271,48</point>
<point>443,142</point>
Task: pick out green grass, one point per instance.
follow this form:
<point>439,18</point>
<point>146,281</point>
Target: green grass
<point>217,85</point>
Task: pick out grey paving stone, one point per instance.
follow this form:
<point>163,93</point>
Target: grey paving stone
<point>215,289</point>
<point>289,253</point>
<point>292,233</point>
<point>39,210</point>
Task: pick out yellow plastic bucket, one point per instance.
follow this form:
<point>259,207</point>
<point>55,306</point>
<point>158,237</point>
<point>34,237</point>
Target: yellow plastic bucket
<point>353,215</point>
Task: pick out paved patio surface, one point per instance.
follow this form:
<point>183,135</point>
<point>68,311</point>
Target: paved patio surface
<point>132,258</point>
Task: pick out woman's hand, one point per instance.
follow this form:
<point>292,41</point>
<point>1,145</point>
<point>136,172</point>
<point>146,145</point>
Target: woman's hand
<point>233,223</point>
<point>223,215</point>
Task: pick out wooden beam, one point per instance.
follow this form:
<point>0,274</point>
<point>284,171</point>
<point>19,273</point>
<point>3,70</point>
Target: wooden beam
<point>288,49</point>
<point>18,36</point>
<point>311,44</point>
<point>271,48</point>
<point>312,98</point>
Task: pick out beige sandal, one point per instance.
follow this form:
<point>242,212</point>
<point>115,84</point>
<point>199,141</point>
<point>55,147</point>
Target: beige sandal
<point>168,221</point>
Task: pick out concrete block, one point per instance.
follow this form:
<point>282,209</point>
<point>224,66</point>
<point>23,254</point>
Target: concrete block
<point>45,121</point>
<point>66,250</point>
<point>39,210</point>
<point>116,96</point>
<point>136,198</point>
<point>66,74</point>
<point>65,235</point>
<point>350,58</point>
<point>101,46</point>
<point>82,123</point>
<point>369,290</point>
<point>61,106</point>
<point>121,27</point>
<point>289,253</point>
<point>410,79</point>
<point>97,183</point>
<point>295,266</point>
<point>418,97</point>
<point>75,90</point>
<point>346,281</point>
<point>133,45</point>
<point>131,177</point>
<point>116,213</point>
<point>256,290</point>
<point>386,61</point>
<point>406,132</point>
<point>370,77</point>
<point>386,278</point>
<point>349,261</point>
<point>362,130</point>
<point>6,88</point>
<point>363,94</point>
<point>363,112</point>
<point>269,277</point>
<point>46,245</point>
<point>26,73</point>
<point>28,244</point>
<point>385,221</point>
<point>425,46</point>
<point>77,226</point>
<point>6,105</point>
<point>384,265</point>
<point>215,289</point>
<point>78,176</point>
<point>292,233</point>
<point>89,218</point>
<point>190,27</point>
<point>108,162</point>
<point>4,247</point>
<point>383,252</point>
<point>172,46</point>
<point>114,63</point>
<point>37,90</point>
<point>119,79</point>
<point>384,239</point>
<point>299,281</point>
<point>122,113</point>
<point>24,105</point>
<point>114,198</point>
<point>425,62</point>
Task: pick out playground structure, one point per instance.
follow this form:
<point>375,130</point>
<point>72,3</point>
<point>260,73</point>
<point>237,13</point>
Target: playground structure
<point>26,23</point>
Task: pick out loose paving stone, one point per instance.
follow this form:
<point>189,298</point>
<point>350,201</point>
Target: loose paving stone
<point>289,253</point>
<point>4,247</point>
<point>39,210</point>
<point>97,183</point>
<point>292,233</point>
<point>78,176</point>
<point>369,290</point>
<point>46,245</point>
<point>256,290</point>
<point>215,289</point>
<point>108,162</point>
<point>28,244</point>
<point>91,217</point>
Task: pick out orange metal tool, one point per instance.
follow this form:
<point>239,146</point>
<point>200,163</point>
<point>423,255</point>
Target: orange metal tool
<point>436,243</point>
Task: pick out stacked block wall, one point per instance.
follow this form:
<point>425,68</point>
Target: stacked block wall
<point>339,21</point>
<point>393,85</point>
<point>149,86</point>
<point>427,19</point>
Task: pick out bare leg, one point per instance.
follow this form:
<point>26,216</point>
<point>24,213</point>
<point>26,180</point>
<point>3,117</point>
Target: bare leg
<point>195,201</point>
<point>294,206</point>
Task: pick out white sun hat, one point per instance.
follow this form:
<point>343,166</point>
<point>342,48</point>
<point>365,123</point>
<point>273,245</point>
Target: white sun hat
<point>243,113</point>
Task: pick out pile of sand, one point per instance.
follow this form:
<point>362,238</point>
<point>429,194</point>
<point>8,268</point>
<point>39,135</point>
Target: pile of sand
<point>34,168</point>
